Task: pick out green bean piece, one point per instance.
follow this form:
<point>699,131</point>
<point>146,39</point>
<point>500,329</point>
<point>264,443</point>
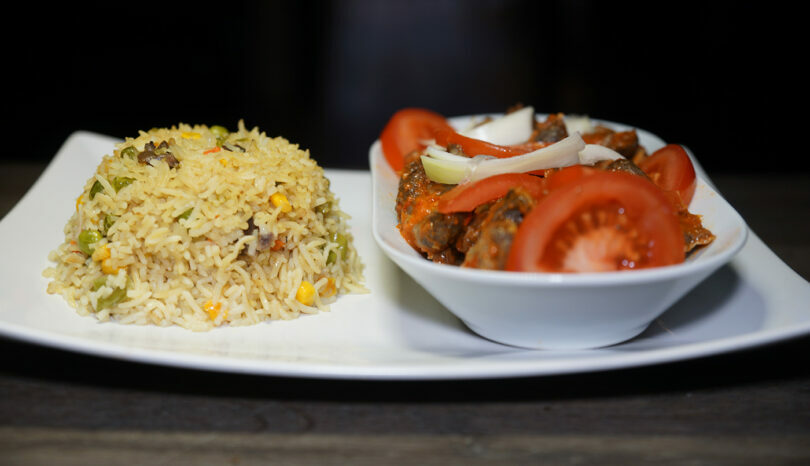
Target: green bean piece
<point>108,222</point>
<point>99,282</point>
<point>343,243</point>
<point>342,248</point>
<point>95,189</point>
<point>120,182</point>
<point>87,241</point>
<point>117,295</point>
<point>129,152</point>
<point>324,208</point>
<point>186,214</point>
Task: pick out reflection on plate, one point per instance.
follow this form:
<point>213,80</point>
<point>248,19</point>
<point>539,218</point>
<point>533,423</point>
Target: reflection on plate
<point>397,331</point>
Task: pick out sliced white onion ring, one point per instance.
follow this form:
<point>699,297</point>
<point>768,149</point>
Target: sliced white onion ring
<point>512,128</point>
<point>439,153</point>
<point>593,153</point>
<point>445,171</point>
<point>448,169</point>
<point>577,124</point>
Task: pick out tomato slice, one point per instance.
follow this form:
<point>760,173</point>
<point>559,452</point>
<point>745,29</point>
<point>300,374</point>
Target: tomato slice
<point>473,147</point>
<point>606,221</point>
<point>405,132</point>
<point>557,178</point>
<point>671,169</point>
<point>466,197</point>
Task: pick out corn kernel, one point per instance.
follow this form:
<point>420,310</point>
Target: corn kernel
<point>190,135</point>
<point>212,309</point>
<point>79,201</point>
<point>305,294</point>
<point>224,162</point>
<point>329,289</point>
<point>102,253</point>
<point>279,200</point>
<point>108,268</point>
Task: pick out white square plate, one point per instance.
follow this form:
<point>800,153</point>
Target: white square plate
<point>398,331</point>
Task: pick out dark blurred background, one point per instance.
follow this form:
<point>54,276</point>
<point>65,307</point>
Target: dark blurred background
<point>720,77</point>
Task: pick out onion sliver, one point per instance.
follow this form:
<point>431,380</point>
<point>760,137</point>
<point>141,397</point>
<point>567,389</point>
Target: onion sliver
<point>577,124</point>
<point>560,154</point>
<point>439,153</point>
<point>448,169</point>
<point>506,130</point>
<point>593,153</point>
<point>445,171</point>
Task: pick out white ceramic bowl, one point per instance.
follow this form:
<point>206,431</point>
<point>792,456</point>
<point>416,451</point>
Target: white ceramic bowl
<point>557,311</point>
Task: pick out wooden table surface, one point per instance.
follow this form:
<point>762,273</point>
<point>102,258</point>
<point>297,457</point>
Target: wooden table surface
<point>747,407</point>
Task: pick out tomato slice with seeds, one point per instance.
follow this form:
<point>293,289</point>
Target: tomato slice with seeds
<point>473,147</point>
<point>672,170</point>
<point>405,132</point>
<point>605,221</point>
<point>466,197</point>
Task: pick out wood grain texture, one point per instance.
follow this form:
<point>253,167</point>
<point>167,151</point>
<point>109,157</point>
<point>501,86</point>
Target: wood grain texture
<point>48,446</point>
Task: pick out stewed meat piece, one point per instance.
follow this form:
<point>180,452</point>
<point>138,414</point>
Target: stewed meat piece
<point>422,226</point>
<point>473,229</point>
<point>621,165</point>
<point>551,130</point>
<point>694,233</point>
<point>497,230</point>
<point>624,142</point>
